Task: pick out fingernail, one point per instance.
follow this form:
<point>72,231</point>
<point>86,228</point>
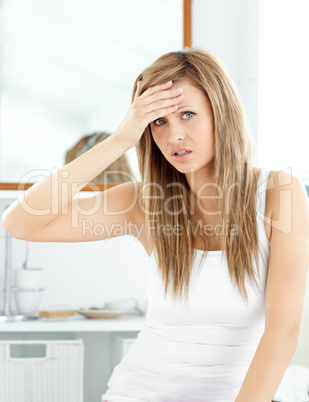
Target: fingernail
<point>169,82</point>
<point>179,91</point>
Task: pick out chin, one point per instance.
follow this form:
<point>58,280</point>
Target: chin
<point>184,169</point>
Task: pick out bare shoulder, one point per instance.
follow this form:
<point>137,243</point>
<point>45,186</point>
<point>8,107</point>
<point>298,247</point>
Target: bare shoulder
<point>283,185</point>
<point>286,200</point>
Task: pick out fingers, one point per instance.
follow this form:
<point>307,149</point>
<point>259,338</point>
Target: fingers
<point>156,88</point>
<point>157,93</point>
<point>157,101</point>
<point>138,85</point>
<point>159,96</point>
<point>156,114</point>
<point>163,103</point>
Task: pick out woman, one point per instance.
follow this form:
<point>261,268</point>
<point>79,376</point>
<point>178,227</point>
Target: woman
<point>228,248</point>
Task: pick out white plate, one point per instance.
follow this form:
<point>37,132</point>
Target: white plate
<point>99,314</point>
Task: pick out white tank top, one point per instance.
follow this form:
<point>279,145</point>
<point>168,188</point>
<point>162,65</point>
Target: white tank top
<point>201,350</point>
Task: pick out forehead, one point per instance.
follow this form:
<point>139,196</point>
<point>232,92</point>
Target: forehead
<point>193,96</point>
<point>189,89</point>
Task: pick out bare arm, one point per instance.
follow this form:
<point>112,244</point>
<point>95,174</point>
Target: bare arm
<point>285,292</point>
<point>48,212</point>
<point>49,204</point>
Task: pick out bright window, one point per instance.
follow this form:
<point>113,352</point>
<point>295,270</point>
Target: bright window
<point>283,139</point>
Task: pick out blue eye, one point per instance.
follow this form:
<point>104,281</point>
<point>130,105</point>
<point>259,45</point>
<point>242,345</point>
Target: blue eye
<point>188,115</point>
<point>159,121</point>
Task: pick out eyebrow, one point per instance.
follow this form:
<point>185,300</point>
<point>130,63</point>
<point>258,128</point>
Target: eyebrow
<point>182,107</point>
<point>185,107</point>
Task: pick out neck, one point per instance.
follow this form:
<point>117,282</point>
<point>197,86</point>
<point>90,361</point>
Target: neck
<point>203,185</point>
<point>202,179</point>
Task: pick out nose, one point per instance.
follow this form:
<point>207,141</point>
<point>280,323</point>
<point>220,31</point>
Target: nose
<point>175,132</point>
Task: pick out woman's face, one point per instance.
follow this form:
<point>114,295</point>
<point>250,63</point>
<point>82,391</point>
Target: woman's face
<point>188,129</point>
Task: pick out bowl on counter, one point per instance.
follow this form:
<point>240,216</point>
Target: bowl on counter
<point>100,313</point>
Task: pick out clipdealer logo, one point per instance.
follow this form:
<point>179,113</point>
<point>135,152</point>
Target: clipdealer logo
<point>281,222</point>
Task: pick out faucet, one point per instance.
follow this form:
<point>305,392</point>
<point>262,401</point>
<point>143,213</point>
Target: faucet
<point>7,275</point>
<point>7,315</point>
<point>7,290</point>
<point>7,279</point>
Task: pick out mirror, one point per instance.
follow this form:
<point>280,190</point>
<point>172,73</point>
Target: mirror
<point>68,69</point>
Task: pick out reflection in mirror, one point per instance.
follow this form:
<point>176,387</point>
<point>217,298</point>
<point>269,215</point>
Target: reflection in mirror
<point>119,171</point>
<point>68,69</point>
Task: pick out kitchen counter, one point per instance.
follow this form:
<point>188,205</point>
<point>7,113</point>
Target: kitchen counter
<point>127,322</point>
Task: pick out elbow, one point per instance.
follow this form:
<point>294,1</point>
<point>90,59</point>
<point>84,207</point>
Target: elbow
<point>291,338</point>
<point>7,222</point>
<point>284,335</point>
<point>295,336</point>
<point>10,224</point>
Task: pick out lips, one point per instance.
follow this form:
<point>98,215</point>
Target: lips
<point>178,150</point>
<point>181,154</point>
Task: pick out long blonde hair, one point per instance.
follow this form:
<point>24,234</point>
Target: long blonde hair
<point>234,173</point>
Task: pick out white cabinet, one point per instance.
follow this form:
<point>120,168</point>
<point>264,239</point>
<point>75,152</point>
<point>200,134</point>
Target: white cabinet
<point>105,342</point>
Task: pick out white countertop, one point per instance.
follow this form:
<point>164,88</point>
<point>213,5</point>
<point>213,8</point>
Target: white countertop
<point>127,322</point>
